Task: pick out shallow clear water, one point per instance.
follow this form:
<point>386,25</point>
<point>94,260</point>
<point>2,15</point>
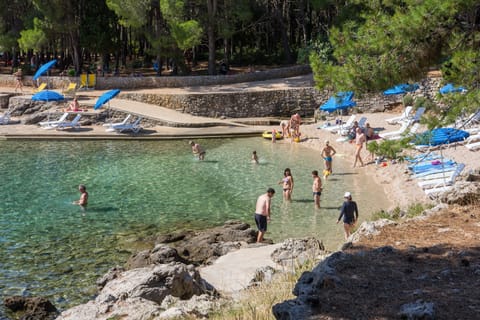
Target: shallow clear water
<point>52,248</point>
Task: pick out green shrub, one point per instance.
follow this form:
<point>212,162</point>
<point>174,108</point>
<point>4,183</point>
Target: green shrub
<point>408,100</point>
<point>382,214</point>
<point>416,209</point>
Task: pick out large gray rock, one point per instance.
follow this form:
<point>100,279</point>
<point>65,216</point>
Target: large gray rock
<point>322,276</point>
<point>161,254</point>
<point>138,294</point>
<point>298,251</point>
<point>462,193</point>
<point>206,246</point>
<point>369,228</point>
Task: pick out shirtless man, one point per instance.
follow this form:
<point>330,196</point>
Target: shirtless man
<point>316,188</point>
<point>262,213</point>
<point>83,201</point>
<point>198,150</point>
<point>327,154</point>
<point>295,122</point>
<point>359,141</point>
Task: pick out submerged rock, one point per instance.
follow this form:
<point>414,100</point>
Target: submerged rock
<point>32,308</point>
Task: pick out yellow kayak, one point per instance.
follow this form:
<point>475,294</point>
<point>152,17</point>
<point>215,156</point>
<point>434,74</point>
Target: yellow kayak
<point>268,135</point>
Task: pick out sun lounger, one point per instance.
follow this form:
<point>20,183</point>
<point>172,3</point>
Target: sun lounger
<point>473,146</point>
<point>433,166</point>
<point>5,118</point>
<point>400,131</point>
<point>440,174</point>
<point>66,124</point>
<point>444,181</point>
<point>423,157</point>
<point>348,124</point>
<point>51,123</point>
<point>133,127</point>
<point>435,191</point>
<point>403,116</point>
<point>413,130</point>
<point>417,116</point>
<point>109,125</point>
<point>361,124</point>
<point>444,169</point>
<point>473,138</point>
<point>423,162</point>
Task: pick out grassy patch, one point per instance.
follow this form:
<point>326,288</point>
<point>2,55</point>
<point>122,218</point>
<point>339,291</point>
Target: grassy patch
<point>256,303</point>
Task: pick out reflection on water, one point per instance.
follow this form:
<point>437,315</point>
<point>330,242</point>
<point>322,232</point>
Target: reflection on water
<point>54,249</point>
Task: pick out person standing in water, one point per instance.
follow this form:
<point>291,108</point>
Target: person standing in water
<point>263,212</point>
<point>316,188</point>
<point>254,157</point>
<point>83,201</point>
<point>327,154</point>
<point>349,212</point>
<point>287,183</point>
<point>198,150</point>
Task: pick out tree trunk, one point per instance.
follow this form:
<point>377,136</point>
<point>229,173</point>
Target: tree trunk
<point>212,10</point>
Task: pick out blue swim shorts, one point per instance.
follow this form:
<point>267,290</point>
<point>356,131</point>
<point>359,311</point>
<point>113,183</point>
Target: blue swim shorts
<point>261,222</point>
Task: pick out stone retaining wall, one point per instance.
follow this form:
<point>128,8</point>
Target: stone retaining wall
<point>132,83</point>
<point>268,103</point>
<point>248,104</point>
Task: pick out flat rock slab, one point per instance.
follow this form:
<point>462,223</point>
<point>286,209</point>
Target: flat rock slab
<point>235,270</point>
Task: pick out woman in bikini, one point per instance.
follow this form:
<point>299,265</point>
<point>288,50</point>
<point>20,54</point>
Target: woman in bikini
<point>287,183</point>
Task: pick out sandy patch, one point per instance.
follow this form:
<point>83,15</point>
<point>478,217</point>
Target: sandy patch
<point>402,189</point>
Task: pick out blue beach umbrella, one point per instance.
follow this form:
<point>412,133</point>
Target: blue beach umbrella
<point>104,98</point>
<point>47,95</point>
<point>340,101</point>
<point>401,89</point>
<point>44,68</point>
<point>450,88</point>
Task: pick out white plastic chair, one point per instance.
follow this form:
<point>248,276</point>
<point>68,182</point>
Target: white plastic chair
<point>52,123</point>
<point>403,116</point>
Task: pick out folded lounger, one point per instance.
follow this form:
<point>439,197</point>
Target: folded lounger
<point>435,183</point>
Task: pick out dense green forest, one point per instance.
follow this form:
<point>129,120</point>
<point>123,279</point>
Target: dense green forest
<point>360,45</point>
<point>144,33</point>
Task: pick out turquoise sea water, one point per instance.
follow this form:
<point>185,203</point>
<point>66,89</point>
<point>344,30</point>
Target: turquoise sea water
<point>52,248</point>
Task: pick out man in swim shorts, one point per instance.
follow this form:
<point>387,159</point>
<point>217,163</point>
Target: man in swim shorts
<point>327,154</point>
<point>349,212</point>
<point>262,213</point>
<point>198,150</point>
<point>316,188</point>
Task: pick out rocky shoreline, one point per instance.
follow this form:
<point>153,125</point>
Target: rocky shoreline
<point>165,282</point>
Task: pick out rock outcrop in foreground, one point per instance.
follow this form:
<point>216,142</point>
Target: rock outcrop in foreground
<point>144,293</point>
<point>427,267</point>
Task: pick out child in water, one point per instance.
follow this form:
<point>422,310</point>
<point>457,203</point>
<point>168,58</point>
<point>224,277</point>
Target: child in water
<point>254,157</point>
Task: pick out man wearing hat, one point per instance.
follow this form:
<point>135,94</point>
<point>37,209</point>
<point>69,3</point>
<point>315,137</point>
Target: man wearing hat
<point>349,212</point>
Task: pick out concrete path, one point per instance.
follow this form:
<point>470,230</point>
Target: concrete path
<point>163,115</point>
<point>234,271</point>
